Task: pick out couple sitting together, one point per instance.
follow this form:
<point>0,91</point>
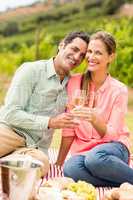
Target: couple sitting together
<point>95,132</point>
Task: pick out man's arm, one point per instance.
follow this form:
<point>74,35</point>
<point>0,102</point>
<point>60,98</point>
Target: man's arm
<point>19,95</point>
<point>64,148</point>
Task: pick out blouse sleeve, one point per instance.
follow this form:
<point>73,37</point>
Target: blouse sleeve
<point>117,115</point>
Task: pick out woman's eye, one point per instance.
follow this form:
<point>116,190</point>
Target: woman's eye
<point>89,51</point>
<point>98,53</point>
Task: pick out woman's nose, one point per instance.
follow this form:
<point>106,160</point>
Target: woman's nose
<point>91,55</point>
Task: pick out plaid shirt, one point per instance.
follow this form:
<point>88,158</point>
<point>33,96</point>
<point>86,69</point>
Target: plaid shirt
<point>35,95</point>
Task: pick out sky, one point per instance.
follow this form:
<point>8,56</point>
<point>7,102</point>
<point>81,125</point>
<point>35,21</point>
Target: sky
<point>5,4</point>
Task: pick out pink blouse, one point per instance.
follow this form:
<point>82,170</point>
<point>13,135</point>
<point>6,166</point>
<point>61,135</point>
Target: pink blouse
<point>111,102</point>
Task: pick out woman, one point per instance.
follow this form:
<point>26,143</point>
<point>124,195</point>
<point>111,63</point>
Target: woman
<point>99,144</point>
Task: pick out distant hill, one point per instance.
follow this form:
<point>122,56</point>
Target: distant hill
<point>24,11</point>
<point>32,9</point>
<point>125,9</point>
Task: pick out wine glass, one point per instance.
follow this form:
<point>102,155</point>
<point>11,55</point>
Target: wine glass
<point>79,98</point>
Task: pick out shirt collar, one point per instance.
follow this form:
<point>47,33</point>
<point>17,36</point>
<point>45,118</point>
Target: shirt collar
<point>50,68</point>
<point>51,71</point>
<point>105,84</point>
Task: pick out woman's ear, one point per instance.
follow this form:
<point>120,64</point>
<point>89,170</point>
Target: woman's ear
<point>112,57</point>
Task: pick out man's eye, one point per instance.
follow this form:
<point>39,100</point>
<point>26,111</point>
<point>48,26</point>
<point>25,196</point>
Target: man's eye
<point>74,49</point>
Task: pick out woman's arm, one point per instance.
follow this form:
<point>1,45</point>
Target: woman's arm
<point>91,116</point>
<point>116,121</point>
<point>64,148</point>
<point>99,124</point>
<point>116,116</point>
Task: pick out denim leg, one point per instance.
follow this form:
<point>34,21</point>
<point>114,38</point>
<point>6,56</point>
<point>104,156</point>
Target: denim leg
<point>109,161</point>
<point>75,168</point>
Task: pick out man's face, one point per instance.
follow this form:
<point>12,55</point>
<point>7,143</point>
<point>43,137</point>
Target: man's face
<point>72,54</point>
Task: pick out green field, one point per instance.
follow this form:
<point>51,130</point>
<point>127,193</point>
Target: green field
<point>129,121</point>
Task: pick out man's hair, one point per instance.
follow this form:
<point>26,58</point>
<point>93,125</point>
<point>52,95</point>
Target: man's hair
<point>80,34</point>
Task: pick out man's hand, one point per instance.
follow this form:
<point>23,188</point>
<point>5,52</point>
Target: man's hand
<point>65,120</point>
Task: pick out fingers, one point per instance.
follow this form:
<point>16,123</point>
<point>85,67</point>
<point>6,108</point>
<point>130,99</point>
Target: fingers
<point>68,116</point>
<point>84,113</point>
<point>85,116</point>
<point>58,165</point>
<point>68,124</point>
<point>65,120</point>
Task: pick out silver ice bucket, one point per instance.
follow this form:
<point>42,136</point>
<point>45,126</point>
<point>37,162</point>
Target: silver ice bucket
<point>19,177</point>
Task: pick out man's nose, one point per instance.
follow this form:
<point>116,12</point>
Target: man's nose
<point>77,56</point>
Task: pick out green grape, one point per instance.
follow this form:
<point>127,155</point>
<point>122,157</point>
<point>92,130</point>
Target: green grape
<point>72,187</point>
<point>83,189</point>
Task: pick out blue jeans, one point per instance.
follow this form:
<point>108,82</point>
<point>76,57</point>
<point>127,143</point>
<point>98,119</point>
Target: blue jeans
<point>104,165</point>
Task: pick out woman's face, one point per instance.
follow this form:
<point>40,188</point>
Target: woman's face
<point>97,56</point>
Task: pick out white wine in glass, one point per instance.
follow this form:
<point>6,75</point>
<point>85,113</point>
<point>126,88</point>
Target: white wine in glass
<point>79,98</point>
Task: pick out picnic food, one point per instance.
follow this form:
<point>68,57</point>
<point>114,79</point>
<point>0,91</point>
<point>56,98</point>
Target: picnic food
<point>83,189</point>
<point>65,188</point>
<point>69,195</point>
<point>125,192</point>
<point>58,182</point>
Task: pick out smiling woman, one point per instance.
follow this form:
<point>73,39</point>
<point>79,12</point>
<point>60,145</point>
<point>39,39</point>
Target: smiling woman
<point>101,138</point>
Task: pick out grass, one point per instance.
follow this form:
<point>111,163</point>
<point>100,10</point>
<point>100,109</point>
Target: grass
<point>129,122</point>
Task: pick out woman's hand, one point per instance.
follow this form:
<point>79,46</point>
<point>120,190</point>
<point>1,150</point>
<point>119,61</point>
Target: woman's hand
<point>85,113</point>
<point>91,115</point>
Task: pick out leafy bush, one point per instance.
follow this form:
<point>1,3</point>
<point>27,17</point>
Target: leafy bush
<point>92,3</point>
<point>110,7</point>
<point>11,29</point>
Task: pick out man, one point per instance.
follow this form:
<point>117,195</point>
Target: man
<point>35,99</point>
